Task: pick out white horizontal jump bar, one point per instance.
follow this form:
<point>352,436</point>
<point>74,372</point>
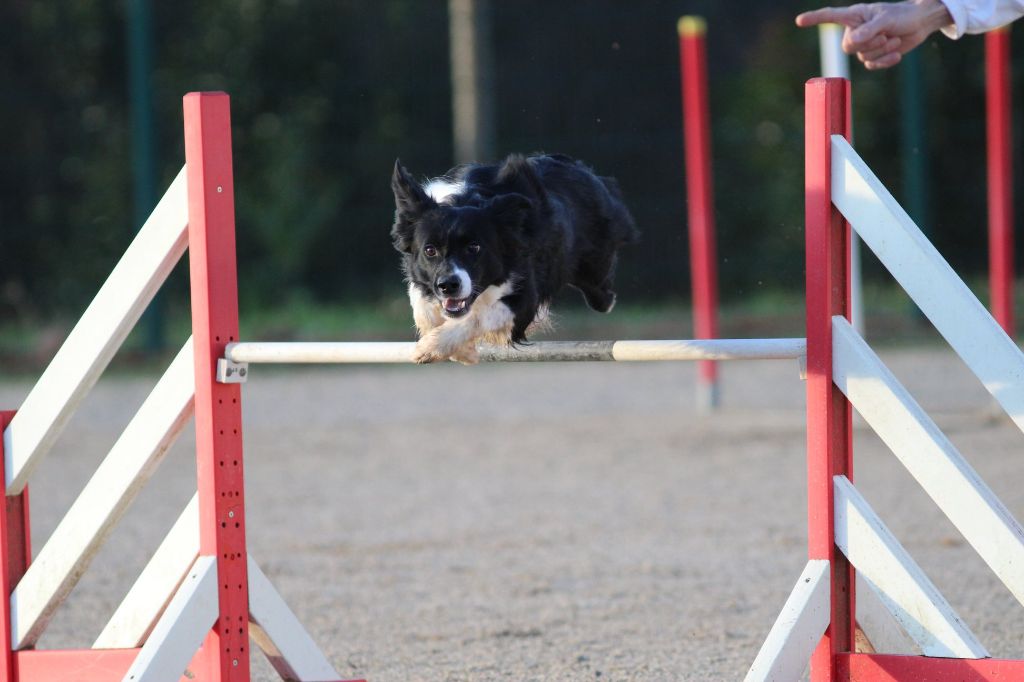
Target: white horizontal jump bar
<point>545,351</point>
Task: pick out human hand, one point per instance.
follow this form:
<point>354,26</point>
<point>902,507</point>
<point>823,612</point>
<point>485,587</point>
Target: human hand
<point>880,33</point>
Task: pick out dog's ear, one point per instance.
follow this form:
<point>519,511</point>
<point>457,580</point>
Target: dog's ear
<point>410,203</point>
<point>410,198</point>
<point>517,171</point>
<point>510,213</point>
<point>511,210</point>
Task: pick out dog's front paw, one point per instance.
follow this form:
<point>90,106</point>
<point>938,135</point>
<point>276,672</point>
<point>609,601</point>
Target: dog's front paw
<point>467,355</point>
<point>426,351</point>
<point>447,342</point>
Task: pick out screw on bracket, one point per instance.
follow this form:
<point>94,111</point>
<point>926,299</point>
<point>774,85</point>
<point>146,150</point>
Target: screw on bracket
<point>229,372</point>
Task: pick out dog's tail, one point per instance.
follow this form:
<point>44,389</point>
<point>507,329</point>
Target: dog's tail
<point>620,220</point>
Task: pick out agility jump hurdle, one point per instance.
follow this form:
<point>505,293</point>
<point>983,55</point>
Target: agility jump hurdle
<point>844,534</point>
<point>201,598</point>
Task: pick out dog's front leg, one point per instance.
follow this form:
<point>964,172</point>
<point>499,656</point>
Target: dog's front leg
<point>489,318</point>
<point>455,339</point>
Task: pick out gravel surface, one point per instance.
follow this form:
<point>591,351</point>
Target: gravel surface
<point>539,522</point>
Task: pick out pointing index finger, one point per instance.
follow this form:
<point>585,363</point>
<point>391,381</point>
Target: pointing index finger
<point>829,15</point>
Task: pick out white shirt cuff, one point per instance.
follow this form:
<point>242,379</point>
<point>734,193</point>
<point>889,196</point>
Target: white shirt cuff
<point>959,13</point>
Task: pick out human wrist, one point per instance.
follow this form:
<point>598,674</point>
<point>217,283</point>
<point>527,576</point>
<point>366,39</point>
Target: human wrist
<point>934,14</point>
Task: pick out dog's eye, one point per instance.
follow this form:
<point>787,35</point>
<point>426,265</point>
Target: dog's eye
<point>473,247</point>
<point>430,251</point>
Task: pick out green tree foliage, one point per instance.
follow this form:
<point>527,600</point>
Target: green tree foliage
<point>326,94</point>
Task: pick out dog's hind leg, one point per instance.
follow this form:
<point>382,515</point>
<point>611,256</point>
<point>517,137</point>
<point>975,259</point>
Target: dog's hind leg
<point>601,300</point>
<point>596,268</point>
<point>593,277</point>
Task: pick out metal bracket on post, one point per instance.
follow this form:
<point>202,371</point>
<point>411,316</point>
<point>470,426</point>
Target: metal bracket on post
<point>230,372</point>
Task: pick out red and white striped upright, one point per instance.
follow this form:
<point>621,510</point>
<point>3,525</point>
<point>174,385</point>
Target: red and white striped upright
<point>218,409</point>
<point>1000,176</point>
<point>700,198</point>
<point>829,433</point>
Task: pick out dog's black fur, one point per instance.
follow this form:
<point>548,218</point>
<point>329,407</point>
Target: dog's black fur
<point>537,222</point>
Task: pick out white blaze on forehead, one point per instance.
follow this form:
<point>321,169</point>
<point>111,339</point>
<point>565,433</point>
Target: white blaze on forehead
<point>441,190</point>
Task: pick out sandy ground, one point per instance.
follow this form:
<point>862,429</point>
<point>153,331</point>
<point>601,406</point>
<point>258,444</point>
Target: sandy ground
<point>540,522</point>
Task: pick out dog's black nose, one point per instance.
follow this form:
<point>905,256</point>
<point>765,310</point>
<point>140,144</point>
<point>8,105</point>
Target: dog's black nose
<point>449,285</point>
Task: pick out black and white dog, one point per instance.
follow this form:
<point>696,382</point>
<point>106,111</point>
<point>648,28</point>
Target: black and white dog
<point>486,247</point>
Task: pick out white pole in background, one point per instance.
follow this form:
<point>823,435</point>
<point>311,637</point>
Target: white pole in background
<point>836,64</point>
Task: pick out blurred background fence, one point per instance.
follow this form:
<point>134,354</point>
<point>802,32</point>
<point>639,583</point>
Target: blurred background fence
<point>326,94</point>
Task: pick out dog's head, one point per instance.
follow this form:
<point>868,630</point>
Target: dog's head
<point>454,250</point>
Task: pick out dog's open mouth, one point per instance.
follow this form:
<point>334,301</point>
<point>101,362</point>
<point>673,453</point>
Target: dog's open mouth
<point>456,307</point>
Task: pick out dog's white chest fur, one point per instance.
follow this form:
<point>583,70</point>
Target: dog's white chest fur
<point>489,320</point>
<point>425,313</point>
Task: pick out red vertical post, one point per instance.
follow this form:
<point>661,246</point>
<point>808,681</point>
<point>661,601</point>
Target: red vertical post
<point>19,547</point>
<point>218,413</point>
<point>15,555</point>
<point>1000,176</point>
<point>6,570</point>
<point>700,197</point>
<point>829,432</point>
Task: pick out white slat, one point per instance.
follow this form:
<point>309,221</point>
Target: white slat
<point>99,333</point>
<point>801,623</point>
<point>138,613</point>
<point>897,580</point>
<point>276,630</point>
<point>127,467</point>
<point>927,278</point>
<point>929,456</point>
<point>884,632</point>
<point>179,632</point>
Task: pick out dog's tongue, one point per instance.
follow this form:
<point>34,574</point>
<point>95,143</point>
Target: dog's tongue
<point>454,305</point>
